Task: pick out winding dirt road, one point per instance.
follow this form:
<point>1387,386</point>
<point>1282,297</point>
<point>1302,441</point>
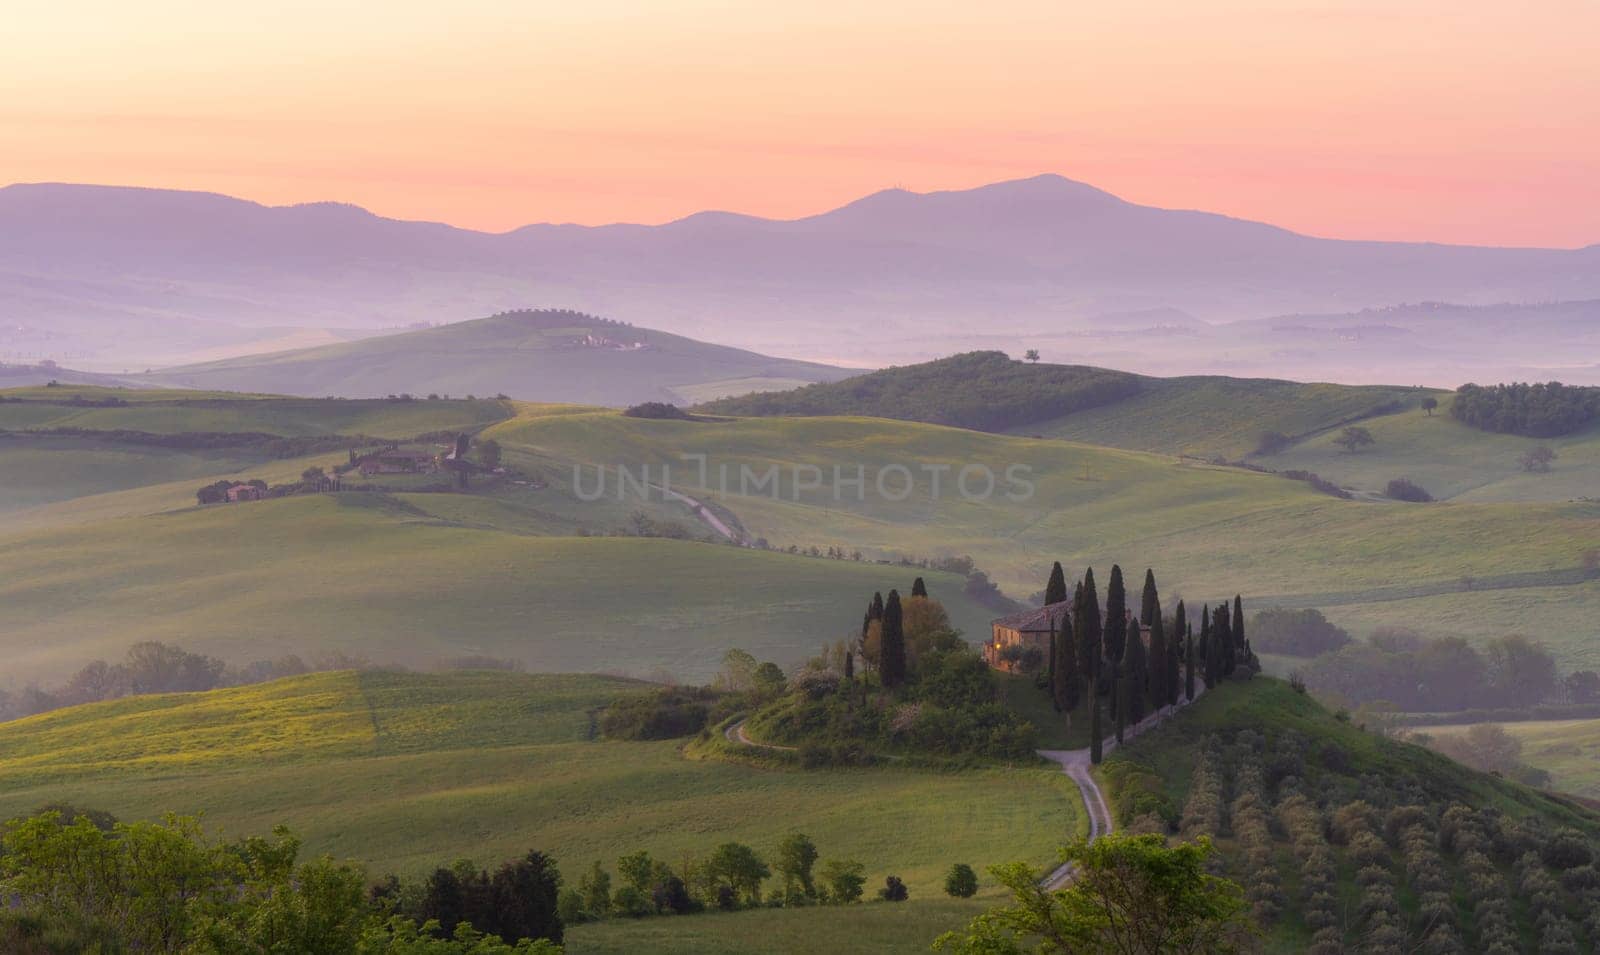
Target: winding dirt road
<point>1078,767</point>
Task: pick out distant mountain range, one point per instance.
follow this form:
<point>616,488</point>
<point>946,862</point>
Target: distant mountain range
<point>114,278</point>
<point>546,355</point>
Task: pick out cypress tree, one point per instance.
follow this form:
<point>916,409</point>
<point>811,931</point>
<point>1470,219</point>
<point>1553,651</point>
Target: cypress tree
<point>1116,626</point>
<point>1055,590</point>
<point>1150,607</point>
<point>1160,663</point>
<point>1222,633</point>
<point>1090,651</point>
<point>1239,641</point>
<point>1066,687</point>
<point>892,644</point>
<point>1180,643</point>
<point>866,621</point>
<point>1188,665</point>
<point>1134,672</point>
<point>1094,714</point>
<point>1050,661</point>
<point>1208,654</point>
<point>849,665</point>
<point>918,588</point>
<point>1120,693</point>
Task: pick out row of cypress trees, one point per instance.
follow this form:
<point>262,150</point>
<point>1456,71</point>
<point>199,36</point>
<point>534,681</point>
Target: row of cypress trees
<point>1101,654</point>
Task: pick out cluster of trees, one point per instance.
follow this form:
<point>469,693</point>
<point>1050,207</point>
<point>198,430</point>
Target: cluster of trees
<point>732,876</point>
<point>984,391</point>
<point>1536,410</point>
<point>1296,633</point>
<point>1435,674</point>
<point>1098,655</point>
<point>905,680</point>
<point>84,882</point>
<point>658,410</point>
<point>1132,894</point>
<point>154,667</point>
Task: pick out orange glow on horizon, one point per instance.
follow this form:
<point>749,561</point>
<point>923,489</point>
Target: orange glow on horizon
<point>1473,121</point>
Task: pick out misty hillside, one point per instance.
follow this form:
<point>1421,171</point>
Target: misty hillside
<point>531,355</point>
<point>987,391</point>
<point>105,275</point>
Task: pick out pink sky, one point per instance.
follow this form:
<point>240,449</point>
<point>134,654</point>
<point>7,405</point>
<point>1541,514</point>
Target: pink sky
<point>1459,121</point>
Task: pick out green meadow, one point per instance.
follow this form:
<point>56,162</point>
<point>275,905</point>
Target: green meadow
<point>378,576</point>
<point>405,772</point>
<point>1452,461</point>
<point>1211,416</point>
<point>1208,531</point>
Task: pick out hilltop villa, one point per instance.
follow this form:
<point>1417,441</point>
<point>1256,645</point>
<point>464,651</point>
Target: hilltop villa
<point>1032,629</point>
<point>1028,628</point>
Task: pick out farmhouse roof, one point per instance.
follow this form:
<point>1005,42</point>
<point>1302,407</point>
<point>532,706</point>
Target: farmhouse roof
<point>1037,620</point>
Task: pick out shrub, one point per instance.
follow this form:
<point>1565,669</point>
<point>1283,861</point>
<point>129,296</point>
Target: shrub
<point>894,890</point>
<point>961,882</point>
<point>1404,489</point>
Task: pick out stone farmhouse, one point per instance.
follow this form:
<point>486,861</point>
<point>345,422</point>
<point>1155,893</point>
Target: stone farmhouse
<point>1032,629</point>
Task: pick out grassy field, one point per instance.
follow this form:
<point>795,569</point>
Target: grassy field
<point>406,771</point>
<point>448,571</point>
<point>42,471</point>
<point>1569,750</point>
<point>1209,416</point>
<point>1451,460</point>
<point>380,576</point>
<point>1207,531</point>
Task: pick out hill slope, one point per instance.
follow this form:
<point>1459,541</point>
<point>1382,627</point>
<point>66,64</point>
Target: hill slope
<point>531,355</point>
<point>406,772</point>
<point>1335,830</point>
<point>387,578</point>
<point>987,391</point>
<point>892,277</point>
<point>1209,532</point>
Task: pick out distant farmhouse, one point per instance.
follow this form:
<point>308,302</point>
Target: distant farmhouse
<point>1013,636</point>
<point>246,492</point>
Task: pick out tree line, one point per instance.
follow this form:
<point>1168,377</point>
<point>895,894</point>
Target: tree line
<point>1534,410</point>
<point>1420,673</point>
<point>82,881</point>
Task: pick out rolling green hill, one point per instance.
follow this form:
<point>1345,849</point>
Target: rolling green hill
<point>1479,570</point>
<point>409,771</point>
<point>1325,824</point>
<point>1451,460</point>
<point>383,576</point>
<point>1198,415</point>
<point>534,355</point>
<point>1215,416</point>
<point>59,446</point>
